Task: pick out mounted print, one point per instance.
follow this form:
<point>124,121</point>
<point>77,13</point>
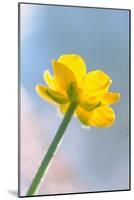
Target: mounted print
<point>74,100</point>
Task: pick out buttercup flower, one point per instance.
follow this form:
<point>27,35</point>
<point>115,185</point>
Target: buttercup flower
<point>71,83</point>
<point>75,92</point>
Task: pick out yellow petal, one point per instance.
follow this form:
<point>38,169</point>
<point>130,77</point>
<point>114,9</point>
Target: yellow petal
<point>62,74</point>
<point>95,83</point>
<point>83,115</point>
<point>64,107</point>
<point>76,64</point>
<point>50,95</point>
<point>49,79</point>
<point>102,116</point>
<point>109,98</point>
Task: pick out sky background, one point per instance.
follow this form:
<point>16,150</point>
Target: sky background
<point>92,159</point>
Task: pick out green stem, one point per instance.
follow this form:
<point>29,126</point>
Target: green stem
<point>51,150</point>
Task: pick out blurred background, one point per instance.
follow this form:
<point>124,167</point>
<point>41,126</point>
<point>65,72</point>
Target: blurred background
<point>89,159</point>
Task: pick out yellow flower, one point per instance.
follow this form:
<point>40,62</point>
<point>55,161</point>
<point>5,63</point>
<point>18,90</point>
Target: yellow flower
<point>71,83</point>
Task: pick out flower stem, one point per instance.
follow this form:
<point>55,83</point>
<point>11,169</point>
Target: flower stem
<point>51,151</point>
